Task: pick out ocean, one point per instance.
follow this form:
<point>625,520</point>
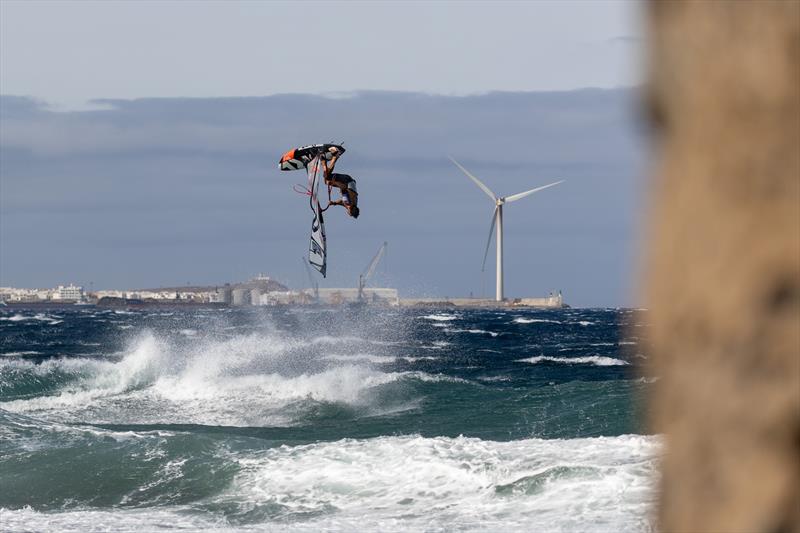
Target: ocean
<point>304,419</point>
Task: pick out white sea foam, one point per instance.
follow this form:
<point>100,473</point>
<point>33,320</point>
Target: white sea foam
<point>415,483</point>
<point>520,320</point>
<point>434,378</point>
<point>15,318</point>
<point>407,484</point>
<point>597,360</point>
<point>442,317</point>
<point>437,345</point>
<point>415,358</point>
<point>473,331</point>
<point>95,521</point>
<point>492,379</point>
<point>38,317</point>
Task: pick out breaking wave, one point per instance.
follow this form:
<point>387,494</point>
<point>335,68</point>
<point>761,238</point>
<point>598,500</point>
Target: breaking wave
<point>243,381</point>
<point>399,483</point>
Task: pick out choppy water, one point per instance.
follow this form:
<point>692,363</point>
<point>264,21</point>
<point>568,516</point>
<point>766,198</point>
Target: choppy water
<point>305,419</point>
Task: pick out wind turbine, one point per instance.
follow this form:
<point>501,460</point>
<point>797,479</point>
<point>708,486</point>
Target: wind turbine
<point>497,218</point>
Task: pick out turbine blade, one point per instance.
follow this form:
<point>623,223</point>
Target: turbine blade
<point>521,195</point>
<point>478,182</point>
<point>489,240</point>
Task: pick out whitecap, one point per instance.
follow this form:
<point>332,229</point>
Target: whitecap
<point>520,320</point>
<point>415,358</point>
<point>443,317</point>
<point>21,352</point>
<point>473,331</point>
<point>597,360</point>
<point>492,379</point>
<point>15,318</point>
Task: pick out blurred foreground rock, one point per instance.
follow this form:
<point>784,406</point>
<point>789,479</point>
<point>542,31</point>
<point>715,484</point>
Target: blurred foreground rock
<point>723,264</point>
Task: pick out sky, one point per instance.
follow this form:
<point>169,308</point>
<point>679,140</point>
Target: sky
<point>139,142</point>
<point>68,52</point>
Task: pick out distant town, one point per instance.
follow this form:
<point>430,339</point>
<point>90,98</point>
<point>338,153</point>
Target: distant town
<point>259,291</point>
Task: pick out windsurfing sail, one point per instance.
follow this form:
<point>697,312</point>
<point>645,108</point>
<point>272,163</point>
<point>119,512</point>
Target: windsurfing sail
<point>317,248</point>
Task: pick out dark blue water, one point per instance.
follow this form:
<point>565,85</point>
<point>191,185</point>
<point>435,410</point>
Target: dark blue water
<point>412,419</point>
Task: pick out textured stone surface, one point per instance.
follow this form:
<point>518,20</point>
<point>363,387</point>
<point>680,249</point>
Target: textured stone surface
<point>723,262</point>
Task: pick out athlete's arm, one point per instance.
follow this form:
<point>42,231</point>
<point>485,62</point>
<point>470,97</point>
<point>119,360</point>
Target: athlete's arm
<point>332,162</point>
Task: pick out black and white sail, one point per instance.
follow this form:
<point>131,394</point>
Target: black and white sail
<point>317,248</point>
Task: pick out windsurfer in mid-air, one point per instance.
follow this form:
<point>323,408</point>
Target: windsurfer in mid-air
<point>318,160</point>
<point>346,184</point>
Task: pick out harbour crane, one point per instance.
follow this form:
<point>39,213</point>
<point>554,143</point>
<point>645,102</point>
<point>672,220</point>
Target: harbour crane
<point>364,276</point>
<point>314,284</point>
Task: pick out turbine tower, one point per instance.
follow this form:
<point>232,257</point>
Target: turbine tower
<point>497,218</point>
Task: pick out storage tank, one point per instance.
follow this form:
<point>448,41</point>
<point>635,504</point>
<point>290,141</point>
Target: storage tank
<point>223,295</point>
<point>255,296</point>
<point>240,296</point>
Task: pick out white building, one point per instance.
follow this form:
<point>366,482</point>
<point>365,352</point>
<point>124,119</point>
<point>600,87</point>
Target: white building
<point>70,292</point>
